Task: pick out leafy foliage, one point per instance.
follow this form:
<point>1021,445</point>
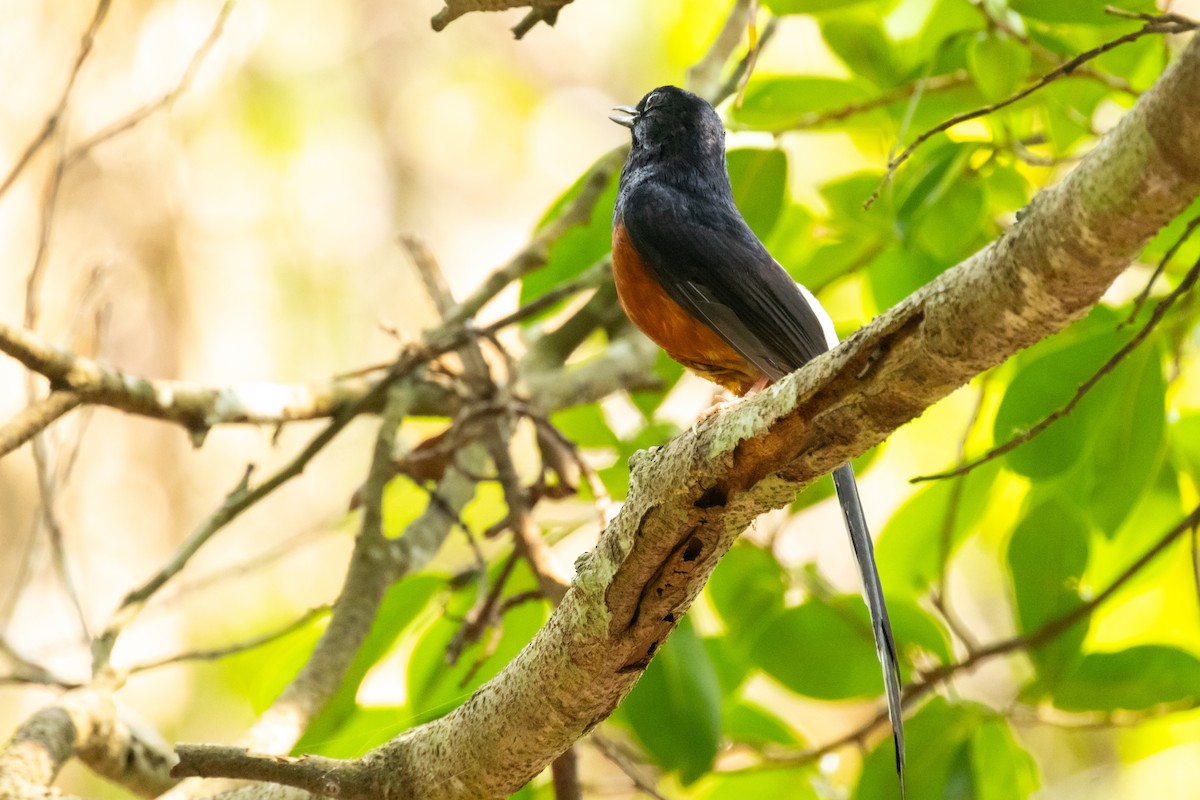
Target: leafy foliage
<point>1018,543</point>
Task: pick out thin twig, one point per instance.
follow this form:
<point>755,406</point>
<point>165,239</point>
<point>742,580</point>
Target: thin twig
<point>956,495</point>
<point>529,540</point>
<point>239,647</point>
<point>537,252</point>
<point>52,123</point>
<point>168,99</point>
<point>35,418</point>
<point>1046,54</point>
<point>704,77</point>
<point>1143,295</point>
<point>242,498</point>
<point>626,763</point>
<point>1156,316</point>
<point>1166,23</point>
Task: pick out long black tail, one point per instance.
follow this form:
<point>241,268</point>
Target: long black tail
<point>885,645</point>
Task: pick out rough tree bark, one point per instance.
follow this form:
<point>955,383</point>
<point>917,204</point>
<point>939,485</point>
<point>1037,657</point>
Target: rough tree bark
<point>690,499</point>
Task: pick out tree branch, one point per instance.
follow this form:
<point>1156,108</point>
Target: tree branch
<point>691,498</point>
<point>87,724</point>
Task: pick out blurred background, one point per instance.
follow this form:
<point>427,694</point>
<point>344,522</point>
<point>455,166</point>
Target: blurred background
<point>248,232</point>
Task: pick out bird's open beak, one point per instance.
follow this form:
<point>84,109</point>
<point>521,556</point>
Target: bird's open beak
<point>627,117</point>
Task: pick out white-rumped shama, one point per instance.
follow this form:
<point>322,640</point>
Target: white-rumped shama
<point>694,278</point>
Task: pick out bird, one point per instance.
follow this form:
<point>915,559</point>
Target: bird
<point>692,275</point>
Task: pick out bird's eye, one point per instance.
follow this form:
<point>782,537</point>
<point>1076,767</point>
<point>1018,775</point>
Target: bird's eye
<point>651,101</point>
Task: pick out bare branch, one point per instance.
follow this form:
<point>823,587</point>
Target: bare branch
<point>52,123</point>
<point>85,723</point>
<point>35,418</point>
<point>704,77</point>
<point>540,11</point>
<point>134,118</point>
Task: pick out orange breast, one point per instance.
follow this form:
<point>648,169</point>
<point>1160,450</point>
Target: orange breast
<point>686,339</point>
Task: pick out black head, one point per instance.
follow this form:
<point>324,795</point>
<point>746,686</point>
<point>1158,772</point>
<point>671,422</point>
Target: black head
<point>671,124</point>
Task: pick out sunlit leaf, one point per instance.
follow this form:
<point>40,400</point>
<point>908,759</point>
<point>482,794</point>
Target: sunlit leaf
<point>578,249</point>
<point>744,721</point>
<point>864,48</point>
<point>780,102</point>
<point>794,784</point>
<point>1128,436</point>
<point>827,651</point>
<point>1047,380</point>
<point>759,180</point>
<point>814,6</point>
<point>1136,679</point>
<point>436,687</point>
<point>401,604</point>
<point>929,528</point>
<point>998,64</point>
<point>1001,768</point>
<point>747,591</point>
<point>1048,554</point>
<point>675,709</point>
<point>1079,12</point>
<point>937,739</point>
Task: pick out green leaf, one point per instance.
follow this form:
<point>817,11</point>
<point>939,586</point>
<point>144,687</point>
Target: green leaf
<point>827,651</point>
<point>781,7</point>
<point>402,502</point>
<point>1127,437</point>
<point>1068,106</point>
<point>759,180</point>
<point>578,249</point>
<point>1135,679</point>
<point>403,602</point>
<point>937,738</point>
<point>730,660</point>
<point>747,591</point>
<point>864,48</point>
<point>1185,443</point>
<point>957,228</point>
<point>821,651</point>
<point>915,539</point>
<point>585,425</point>
<point>1079,12</point>
<point>358,730</point>
<point>945,22</point>
<point>845,197</point>
<point>260,674</point>
<point>793,784</point>
<point>744,721</point>
<point>899,271</point>
<point>436,687</point>
<point>779,102</point>
<point>1048,554</point>
<point>1047,379</point>
<point>1001,768</point>
<point>668,371</point>
<point>675,709</point>
<point>998,64</point>
<point>1007,187</point>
